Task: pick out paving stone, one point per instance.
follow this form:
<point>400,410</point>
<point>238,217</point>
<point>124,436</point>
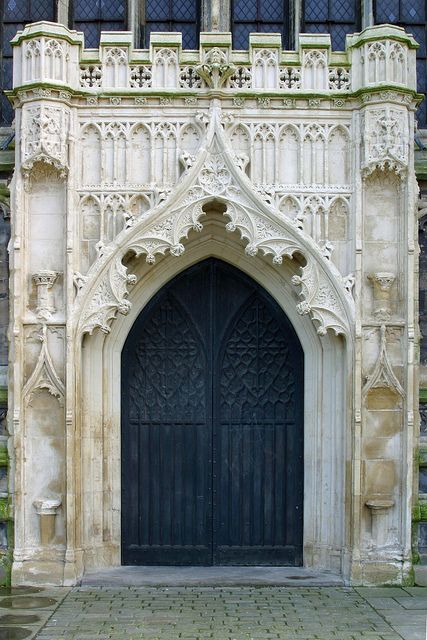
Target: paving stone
<point>237,613</point>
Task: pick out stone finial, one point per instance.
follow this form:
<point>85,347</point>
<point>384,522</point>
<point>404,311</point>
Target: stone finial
<point>44,281</point>
<point>216,69</point>
<point>382,282</point>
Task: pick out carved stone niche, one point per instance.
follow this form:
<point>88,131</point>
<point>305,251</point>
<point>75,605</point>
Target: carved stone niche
<point>382,282</point>
<point>47,510</point>
<point>44,281</point>
<point>379,507</point>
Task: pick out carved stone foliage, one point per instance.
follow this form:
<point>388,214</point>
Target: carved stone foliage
<point>45,136</point>
<point>216,69</point>
<point>383,376</point>
<point>44,375</point>
<point>108,299</point>
<point>385,140</point>
<point>319,300</point>
<point>215,175</point>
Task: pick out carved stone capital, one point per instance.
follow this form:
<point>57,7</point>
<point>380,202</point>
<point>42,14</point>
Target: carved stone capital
<point>47,507</point>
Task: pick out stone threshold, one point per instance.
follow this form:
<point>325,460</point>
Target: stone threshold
<point>209,577</point>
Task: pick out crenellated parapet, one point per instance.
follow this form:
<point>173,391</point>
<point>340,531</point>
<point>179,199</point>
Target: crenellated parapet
<point>48,53</point>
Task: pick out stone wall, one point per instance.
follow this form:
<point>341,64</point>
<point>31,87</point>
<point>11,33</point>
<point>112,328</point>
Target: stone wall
<point>302,162</point>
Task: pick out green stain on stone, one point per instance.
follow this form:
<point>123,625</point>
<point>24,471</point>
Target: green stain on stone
<point>4,509</point>
<point>4,457</point>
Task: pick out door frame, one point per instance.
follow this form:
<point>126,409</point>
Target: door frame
<point>326,407</point>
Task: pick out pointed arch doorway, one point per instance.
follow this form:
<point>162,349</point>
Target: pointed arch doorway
<point>212,426</point>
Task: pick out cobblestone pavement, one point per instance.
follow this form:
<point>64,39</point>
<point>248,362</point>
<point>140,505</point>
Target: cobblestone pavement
<point>232,613</point>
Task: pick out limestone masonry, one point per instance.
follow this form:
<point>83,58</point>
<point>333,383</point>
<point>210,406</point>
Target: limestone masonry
<point>296,167</point>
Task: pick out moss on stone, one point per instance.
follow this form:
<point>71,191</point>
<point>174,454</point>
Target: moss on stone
<point>4,509</point>
<point>3,396</point>
<point>4,457</point>
<point>416,513</point>
<point>423,510</point>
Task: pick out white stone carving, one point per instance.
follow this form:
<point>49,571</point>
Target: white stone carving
<point>290,78</point>
<point>216,70</point>
<point>215,174</point>
<point>189,78</point>
<point>56,60</point>
<point>384,61</point>
<point>44,281</point>
<point>241,78</point>
<point>385,140</point>
<point>165,68</point>
<point>46,506</point>
<point>315,70</point>
<point>32,54</point>
<point>109,298</point>
<point>44,375</point>
<point>45,137</point>
<point>383,375</point>
<point>339,79</point>
<point>90,75</point>
<point>115,67</point>
<point>382,283</point>
<point>319,300</point>
<point>265,69</point>
<point>140,77</point>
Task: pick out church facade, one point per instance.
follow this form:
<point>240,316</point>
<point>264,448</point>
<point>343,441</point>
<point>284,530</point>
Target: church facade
<point>214,303</point>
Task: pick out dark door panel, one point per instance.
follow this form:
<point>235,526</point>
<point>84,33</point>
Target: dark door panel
<point>212,433</point>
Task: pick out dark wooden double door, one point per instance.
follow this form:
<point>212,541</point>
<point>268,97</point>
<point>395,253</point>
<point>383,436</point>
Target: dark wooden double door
<point>212,426</point>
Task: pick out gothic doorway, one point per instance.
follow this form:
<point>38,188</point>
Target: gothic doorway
<point>212,426</point>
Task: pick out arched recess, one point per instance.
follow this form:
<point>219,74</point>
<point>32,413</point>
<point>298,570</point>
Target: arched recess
<point>326,391</point>
<point>299,276</point>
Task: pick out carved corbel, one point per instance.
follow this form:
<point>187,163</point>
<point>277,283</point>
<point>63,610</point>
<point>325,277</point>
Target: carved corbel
<point>47,509</point>
<point>379,507</point>
<point>382,282</point>
<point>44,281</point>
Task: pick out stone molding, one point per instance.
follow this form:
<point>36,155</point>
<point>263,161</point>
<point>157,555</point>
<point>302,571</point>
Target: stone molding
<point>214,175</point>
